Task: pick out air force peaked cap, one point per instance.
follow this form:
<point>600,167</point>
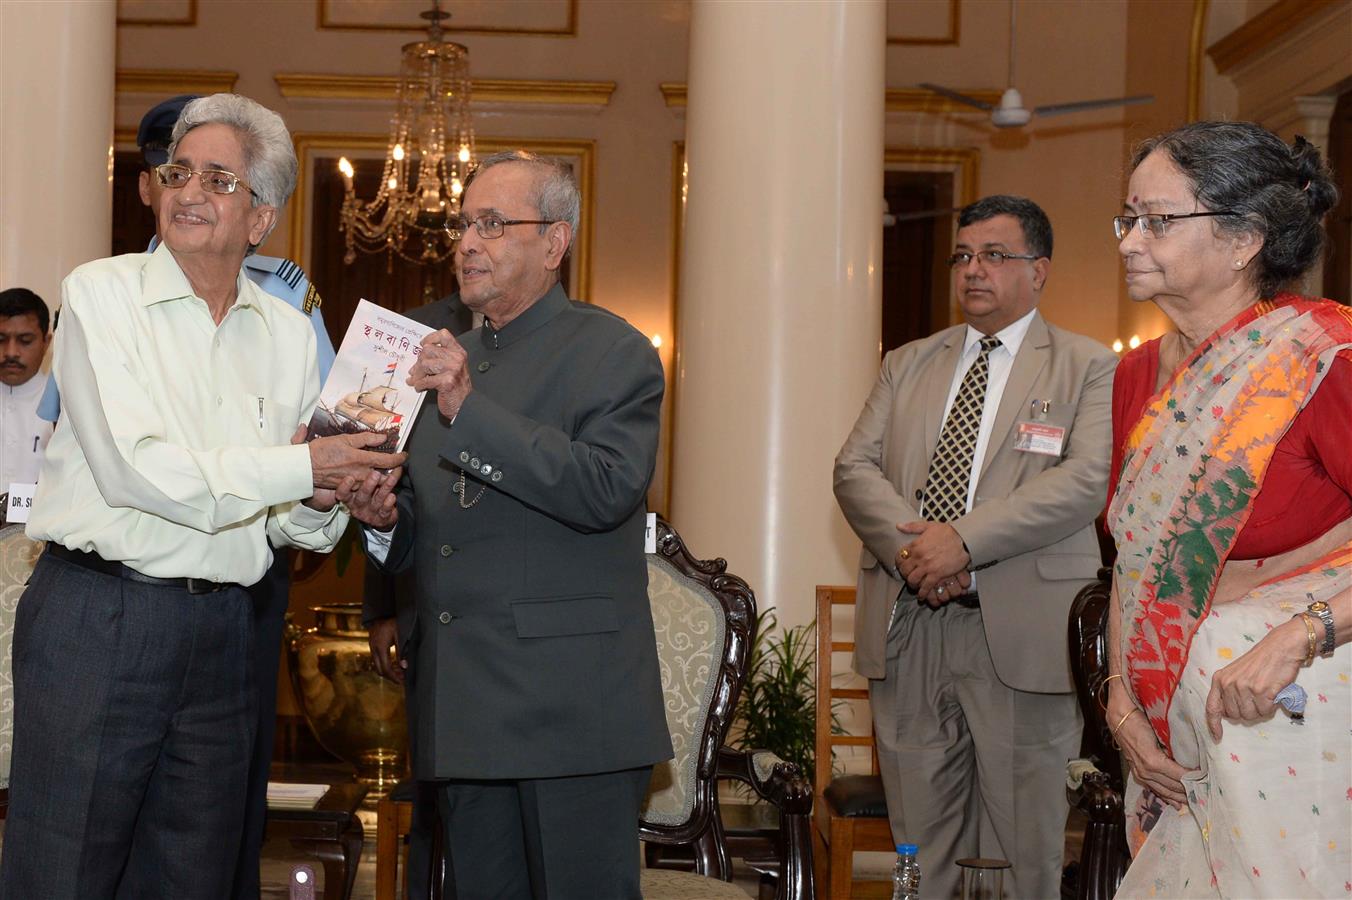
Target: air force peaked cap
<point>154,134</point>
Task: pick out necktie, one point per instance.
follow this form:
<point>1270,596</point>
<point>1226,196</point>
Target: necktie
<point>950,470</point>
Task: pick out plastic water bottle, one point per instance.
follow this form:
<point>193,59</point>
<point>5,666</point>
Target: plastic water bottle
<point>906,874</point>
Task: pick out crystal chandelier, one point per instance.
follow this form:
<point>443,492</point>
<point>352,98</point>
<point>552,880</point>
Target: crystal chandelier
<point>431,151</point>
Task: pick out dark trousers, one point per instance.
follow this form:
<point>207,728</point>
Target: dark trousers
<point>270,598</point>
<point>133,724</point>
<point>546,838</point>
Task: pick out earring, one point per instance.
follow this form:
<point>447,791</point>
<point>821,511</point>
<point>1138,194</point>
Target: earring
<point>1239,264</point>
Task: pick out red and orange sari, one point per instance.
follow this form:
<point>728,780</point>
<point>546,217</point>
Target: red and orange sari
<point>1270,809</point>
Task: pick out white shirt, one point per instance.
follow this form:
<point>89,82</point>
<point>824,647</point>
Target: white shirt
<point>23,436</point>
<point>1000,361</point>
<point>173,451</point>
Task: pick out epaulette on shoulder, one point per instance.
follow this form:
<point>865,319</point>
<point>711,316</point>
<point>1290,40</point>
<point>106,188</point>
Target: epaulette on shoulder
<point>285,269</point>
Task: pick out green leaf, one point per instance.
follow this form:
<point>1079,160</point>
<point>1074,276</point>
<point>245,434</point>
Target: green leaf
<point>778,707</point>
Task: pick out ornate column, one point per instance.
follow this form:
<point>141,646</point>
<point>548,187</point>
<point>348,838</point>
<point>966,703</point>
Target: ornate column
<point>57,67</point>
<point>779,317</point>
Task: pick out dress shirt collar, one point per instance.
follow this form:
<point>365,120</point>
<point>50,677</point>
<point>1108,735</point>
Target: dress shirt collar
<point>163,280</point>
<point>1011,336</point>
<point>538,313</point>
<point>33,387</point>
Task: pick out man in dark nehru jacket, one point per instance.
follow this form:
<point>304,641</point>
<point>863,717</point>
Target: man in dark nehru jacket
<point>532,661</point>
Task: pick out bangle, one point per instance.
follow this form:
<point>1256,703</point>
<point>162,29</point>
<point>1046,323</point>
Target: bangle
<point>1101,694</point>
<point>1310,637</point>
<point>1113,730</point>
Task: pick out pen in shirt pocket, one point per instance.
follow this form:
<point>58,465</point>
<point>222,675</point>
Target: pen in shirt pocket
<point>260,413</point>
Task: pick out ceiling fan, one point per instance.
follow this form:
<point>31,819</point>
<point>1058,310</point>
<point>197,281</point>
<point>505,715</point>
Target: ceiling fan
<point>1011,113</point>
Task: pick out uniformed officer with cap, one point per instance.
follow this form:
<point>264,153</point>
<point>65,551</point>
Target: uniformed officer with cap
<point>287,281</point>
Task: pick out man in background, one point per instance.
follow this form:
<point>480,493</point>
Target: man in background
<point>23,342</point>
<point>969,677</point>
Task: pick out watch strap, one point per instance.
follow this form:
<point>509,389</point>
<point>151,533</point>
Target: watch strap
<point>1321,610</point>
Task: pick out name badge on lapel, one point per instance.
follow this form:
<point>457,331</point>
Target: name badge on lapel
<point>1039,435</point>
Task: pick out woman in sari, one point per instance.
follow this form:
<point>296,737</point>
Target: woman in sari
<point>1232,514</point>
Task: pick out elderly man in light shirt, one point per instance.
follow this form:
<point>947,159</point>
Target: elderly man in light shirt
<point>178,459</point>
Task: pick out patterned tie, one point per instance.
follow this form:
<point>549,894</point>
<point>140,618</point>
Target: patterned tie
<point>950,470</point>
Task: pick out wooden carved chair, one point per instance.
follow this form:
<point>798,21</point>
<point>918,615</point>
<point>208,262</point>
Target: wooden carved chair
<point>18,556</point>
<point>1104,857</point>
<point>705,621</point>
<point>849,813</point>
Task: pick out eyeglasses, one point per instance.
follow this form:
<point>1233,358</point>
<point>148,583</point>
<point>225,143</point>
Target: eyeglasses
<point>992,258</point>
<point>1153,224</point>
<point>214,181</point>
<point>489,227</point>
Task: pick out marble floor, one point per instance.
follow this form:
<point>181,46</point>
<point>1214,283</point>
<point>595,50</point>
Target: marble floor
<point>279,858</point>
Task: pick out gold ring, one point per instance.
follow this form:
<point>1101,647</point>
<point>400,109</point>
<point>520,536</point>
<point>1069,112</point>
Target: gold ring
<point>905,554</point>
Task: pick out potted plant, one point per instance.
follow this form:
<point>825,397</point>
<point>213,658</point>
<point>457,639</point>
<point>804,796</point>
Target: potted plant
<point>778,707</point>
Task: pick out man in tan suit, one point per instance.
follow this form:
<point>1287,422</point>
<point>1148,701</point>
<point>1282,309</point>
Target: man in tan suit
<point>973,477</point>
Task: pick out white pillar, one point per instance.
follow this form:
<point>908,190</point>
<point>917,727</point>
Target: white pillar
<point>57,67</point>
<point>779,316</point>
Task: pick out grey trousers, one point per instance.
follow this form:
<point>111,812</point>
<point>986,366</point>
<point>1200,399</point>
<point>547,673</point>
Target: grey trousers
<point>133,727</point>
<point>572,838</point>
<point>970,766</point>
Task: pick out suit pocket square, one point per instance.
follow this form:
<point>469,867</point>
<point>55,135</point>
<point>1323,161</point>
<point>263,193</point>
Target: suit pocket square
<point>565,616</point>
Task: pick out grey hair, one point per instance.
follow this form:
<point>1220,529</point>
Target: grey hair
<point>270,164</point>
<point>1036,227</point>
<point>1277,191</point>
<point>555,196</point>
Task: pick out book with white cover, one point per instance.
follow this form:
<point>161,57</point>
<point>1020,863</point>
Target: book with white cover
<point>366,389</point>
<point>286,795</point>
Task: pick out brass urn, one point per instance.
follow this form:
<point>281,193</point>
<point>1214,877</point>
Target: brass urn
<point>354,713</point>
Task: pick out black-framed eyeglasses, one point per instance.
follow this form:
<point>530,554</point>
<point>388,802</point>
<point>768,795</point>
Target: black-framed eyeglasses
<point>1155,224</point>
<point>489,227</point>
<point>987,257</point>
<point>214,181</point>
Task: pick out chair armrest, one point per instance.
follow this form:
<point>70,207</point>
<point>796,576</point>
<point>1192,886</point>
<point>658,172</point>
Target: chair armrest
<point>781,783</point>
<point>773,779</point>
<point>1104,856</point>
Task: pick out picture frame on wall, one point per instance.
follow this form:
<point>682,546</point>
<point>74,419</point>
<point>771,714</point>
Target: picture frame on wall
<point>157,12</point>
<point>543,17</point>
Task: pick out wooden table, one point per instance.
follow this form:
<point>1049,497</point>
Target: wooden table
<point>331,832</point>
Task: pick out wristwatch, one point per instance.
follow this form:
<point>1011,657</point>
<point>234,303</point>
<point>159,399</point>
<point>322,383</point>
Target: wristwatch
<point>1321,610</point>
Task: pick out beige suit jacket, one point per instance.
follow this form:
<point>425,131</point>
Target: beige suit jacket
<point>1033,515</point>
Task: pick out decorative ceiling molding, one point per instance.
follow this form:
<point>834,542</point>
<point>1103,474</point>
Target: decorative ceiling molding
<point>310,86</point>
<point>175,81</point>
<point>1264,30</point>
<point>899,100</point>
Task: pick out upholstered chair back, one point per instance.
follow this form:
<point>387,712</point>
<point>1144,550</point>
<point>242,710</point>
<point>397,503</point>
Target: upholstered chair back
<point>704,619</point>
<point>18,556</point>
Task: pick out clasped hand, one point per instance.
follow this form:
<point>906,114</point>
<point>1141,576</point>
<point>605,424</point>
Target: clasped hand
<point>341,459</point>
<point>935,563</point>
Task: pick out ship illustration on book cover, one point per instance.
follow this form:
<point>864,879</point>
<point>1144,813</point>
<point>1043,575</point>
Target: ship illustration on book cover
<point>366,389</point>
